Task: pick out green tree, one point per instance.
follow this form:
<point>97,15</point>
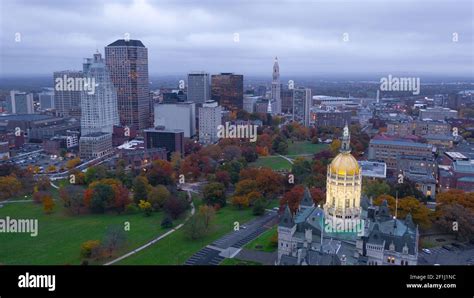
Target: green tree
<point>375,188</point>
<point>259,207</point>
<point>158,196</point>
<point>214,194</point>
<point>301,169</point>
<point>102,197</point>
<point>195,228</point>
<point>140,188</point>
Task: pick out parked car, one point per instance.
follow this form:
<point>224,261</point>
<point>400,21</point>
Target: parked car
<point>426,251</point>
<point>448,247</point>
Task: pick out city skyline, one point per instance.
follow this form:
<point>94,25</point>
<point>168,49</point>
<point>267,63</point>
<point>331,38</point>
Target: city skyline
<point>361,39</point>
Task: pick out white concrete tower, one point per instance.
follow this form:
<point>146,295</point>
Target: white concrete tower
<point>276,87</point>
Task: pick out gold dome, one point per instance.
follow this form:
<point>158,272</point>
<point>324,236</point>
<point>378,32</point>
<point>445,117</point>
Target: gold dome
<point>345,164</point>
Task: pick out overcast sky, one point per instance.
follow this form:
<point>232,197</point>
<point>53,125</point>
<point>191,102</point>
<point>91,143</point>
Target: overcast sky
<point>307,36</point>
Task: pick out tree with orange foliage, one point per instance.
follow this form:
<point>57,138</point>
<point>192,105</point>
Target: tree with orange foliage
<point>456,208</point>
<point>243,187</point>
<point>88,193</point>
<point>419,212</point>
<point>240,201</point>
<point>465,199</point>
<point>48,204</point>
<point>262,151</point>
<point>270,183</point>
<point>265,140</point>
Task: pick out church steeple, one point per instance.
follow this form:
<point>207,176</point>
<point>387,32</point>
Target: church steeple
<point>346,140</point>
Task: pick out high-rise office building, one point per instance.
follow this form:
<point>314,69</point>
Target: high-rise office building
<point>210,117</point>
<point>127,61</point>
<point>287,101</point>
<point>228,90</point>
<point>199,87</point>
<point>20,103</point>
<point>301,105</point>
<point>276,87</point>
<point>99,107</point>
<point>67,100</point>
<point>171,140</point>
<point>177,116</point>
<point>46,100</point>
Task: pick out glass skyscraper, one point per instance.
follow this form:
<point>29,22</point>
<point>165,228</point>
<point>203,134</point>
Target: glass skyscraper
<point>127,61</point>
<point>198,87</point>
<point>228,90</point>
<point>99,108</point>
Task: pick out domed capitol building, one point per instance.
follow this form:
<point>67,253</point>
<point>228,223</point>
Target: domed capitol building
<point>349,229</point>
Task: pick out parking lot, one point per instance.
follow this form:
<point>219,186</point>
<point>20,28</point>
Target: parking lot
<point>448,255</point>
<point>33,155</point>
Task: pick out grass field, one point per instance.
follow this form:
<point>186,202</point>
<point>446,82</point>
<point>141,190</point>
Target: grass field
<point>60,235</point>
<point>177,248</point>
<point>262,242</point>
<point>303,148</point>
<point>272,162</point>
<point>296,149</point>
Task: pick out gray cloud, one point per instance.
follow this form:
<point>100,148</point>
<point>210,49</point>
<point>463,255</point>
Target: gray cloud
<point>307,36</point>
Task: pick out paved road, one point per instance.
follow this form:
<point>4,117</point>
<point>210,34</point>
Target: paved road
<point>442,256</point>
<point>230,244</point>
<point>288,159</point>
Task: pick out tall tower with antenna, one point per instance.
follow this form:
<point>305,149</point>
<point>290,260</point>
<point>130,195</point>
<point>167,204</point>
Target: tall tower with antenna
<point>276,86</point>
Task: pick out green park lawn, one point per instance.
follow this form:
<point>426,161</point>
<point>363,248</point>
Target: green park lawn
<point>60,235</point>
<point>303,148</point>
<point>272,162</point>
<point>177,248</point>
<point>296,149</point>
<point>262,242</point>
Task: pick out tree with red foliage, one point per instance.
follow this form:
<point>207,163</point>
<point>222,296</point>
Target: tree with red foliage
<point>121,198</point>
<point>161,172</point>
<point>223,177</point>
<point>191,146</point>
<point>190,166</point>
<point>318,195</point>
<point>293,197</point>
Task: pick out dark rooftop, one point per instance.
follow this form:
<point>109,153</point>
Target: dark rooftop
<point>25,117</point>
<point>128,43</point>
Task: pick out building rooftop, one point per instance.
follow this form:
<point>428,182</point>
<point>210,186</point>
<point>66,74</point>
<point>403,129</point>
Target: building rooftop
<point>164,130</point>
<point>456,155</point>
<point>127,43</point>
<point>373,169</point>
<point>400,143</point>
<point>131,145</point>
<point>464,166</point>
<point>95,134</point>
<point>466,179</point>
<point>25,117</point>
<point>439,137</point>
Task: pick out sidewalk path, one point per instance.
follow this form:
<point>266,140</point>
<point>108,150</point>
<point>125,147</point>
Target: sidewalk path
<point>156,239</point>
